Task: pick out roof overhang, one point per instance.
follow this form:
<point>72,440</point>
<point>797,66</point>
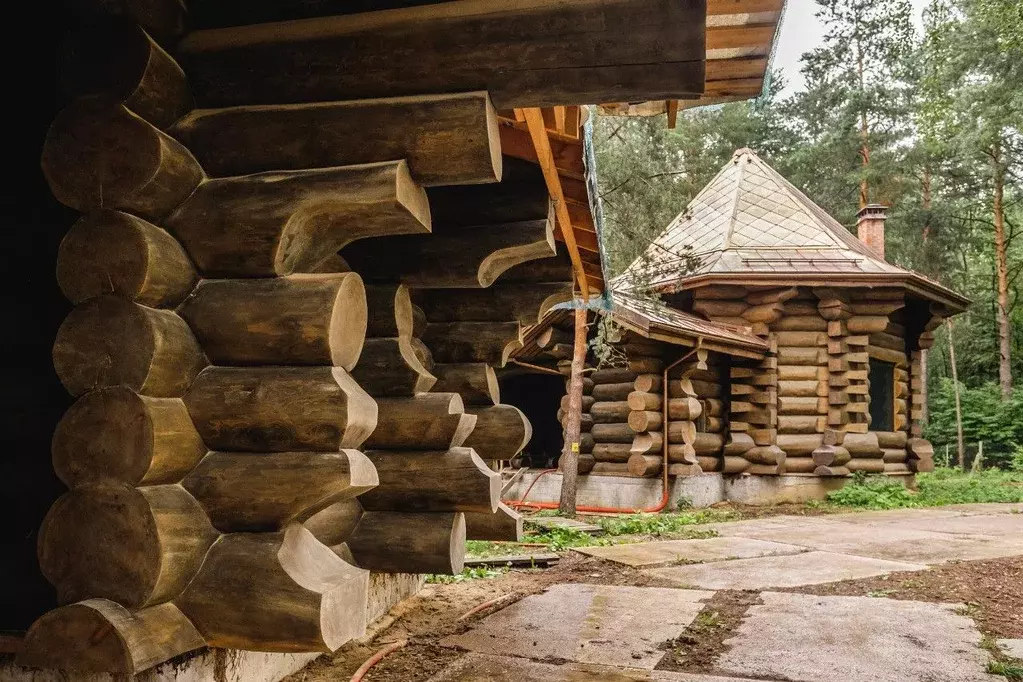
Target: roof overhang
<point>911,282</point>
<point>651,329</point>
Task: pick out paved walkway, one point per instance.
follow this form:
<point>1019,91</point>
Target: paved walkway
<point>572,633</point>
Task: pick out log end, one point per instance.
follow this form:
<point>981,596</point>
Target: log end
<point>101,636</point>
<point>348,322</point>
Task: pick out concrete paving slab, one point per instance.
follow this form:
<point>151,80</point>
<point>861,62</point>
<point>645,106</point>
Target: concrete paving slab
<point>484,668</point>
<point>989,508</point>
<point>810,568</point>
<point>897,515</point>
<point>771,528</point>
<point>601,624</point>
<point>655,554</point>
<point>1012,647</point>
<point>977,524</point>
<point>859,639</point>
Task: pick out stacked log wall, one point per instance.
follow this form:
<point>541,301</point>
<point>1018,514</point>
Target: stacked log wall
<point>253,416</point>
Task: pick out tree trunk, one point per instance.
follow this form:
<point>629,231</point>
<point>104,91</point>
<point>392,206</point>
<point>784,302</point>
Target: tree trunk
<point>570,456</point>
<point>960,447</point>
<point>1002,268</point>
<point>864,133</point>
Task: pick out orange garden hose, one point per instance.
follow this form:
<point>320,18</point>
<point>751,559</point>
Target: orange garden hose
<point>376,658</point>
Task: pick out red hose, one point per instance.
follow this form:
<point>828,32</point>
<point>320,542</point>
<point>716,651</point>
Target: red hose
<point>487,604</point>
<point>376,658</point>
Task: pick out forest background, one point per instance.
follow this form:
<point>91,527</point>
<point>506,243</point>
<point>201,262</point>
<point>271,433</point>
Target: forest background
<point>927,122</point>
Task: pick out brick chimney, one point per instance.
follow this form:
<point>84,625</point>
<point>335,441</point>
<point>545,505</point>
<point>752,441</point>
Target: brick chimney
<point>870,227</point>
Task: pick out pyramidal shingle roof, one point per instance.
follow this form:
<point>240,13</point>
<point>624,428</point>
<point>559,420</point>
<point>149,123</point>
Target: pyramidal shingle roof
<point>750,219</point>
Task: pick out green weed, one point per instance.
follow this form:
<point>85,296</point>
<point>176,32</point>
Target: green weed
<point>662,524</point>
<point>1008,670</point>
<point>474,573</point>
<point>939,488</point>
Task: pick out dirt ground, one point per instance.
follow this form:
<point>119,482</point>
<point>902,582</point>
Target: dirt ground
<point>433,615</point>
<point>992,591</point>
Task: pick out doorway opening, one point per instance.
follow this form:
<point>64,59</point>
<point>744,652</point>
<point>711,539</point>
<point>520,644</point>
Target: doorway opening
<point>539,398</point>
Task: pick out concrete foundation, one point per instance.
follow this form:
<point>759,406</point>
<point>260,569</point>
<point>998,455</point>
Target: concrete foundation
<point>625,492</point>
<point>228,665</point>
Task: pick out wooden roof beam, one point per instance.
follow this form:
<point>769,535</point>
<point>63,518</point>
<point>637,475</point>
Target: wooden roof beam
<point>545,158</point>
<point>566,153</point>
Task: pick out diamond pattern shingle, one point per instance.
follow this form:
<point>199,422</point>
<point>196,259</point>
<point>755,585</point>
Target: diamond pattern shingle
<point>751,219</point>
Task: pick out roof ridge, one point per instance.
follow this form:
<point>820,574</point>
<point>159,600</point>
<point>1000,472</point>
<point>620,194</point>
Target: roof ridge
<point>736,159</point>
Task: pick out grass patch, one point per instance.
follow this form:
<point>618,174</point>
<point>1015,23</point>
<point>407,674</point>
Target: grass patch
<point>939,488</point>
<point>474,573</point>
<point>633,528</point>
<point>1008,670</point>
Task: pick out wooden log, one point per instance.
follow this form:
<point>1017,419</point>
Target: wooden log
<point>803,406</point>
<point>611,452</point>
<point>799,445</point>
<point>616,375</point>
<point>453,257</point>
<point>110,252</point>
<point>920,455</point>
<point>389,311</point>
<point>640,421</point>
<point>252,139</point>
<point>647,383</point>
<point>712,407</point>
<point>612,392</point>
<point>501,431</point>
<point>101,636</point>
<point>765,313</point>
<point>798,465</point>
<point>802,356</point>
<point>119,59</point>
<point>831,455</point>
<point>109,341</point>
<point>265,492</point>
<point>832,471</point>
<point>801,373</point>
<point>553,336</point>
<point>867,324</point>
<point>811,388</point>
<point>767,454</point>
<point>475,382</point>
<point>898,358</point>
<point>702,444</point>
<point>584,462</point>
<point>612,433</point>
<point>710,464</point>
<point>295,320</point>
<point>310,600</point>
<point>801,323</point>
<point>429,49</point>
<point>588,402</point>
<point>611,469</point>
<point>863,445</point>
<point>732,464</point>
<point>99,155</point>
<point>642,365</point>
<point>609,412</point>
<point>525,302</point>
<point>398,542</point>
<point>135,546</point>
<point>505,524</point>
<point>279,223</point>
<point>713,309</point>
<point>800,339</point>
<point>114,433</point>
<point>892,439</point>
<point>891,455</point>
<point>870,466</point>
<point>888,341</point>
<point>280,409</point>
<point>896,468</point>
<point>428,421</point>
<point>464,342</point>
<point>421,481</point>
<point>802,423</point>
<point>689,388</point>
<point>334,524</point>
<point>737,444</point>
<point>390,367</point>
<point>645,465</point>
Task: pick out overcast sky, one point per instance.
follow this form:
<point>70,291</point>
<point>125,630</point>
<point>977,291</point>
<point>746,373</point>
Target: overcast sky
<point>801,32</point>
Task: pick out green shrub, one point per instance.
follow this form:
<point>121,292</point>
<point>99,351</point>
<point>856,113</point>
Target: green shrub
<point>873,493</point>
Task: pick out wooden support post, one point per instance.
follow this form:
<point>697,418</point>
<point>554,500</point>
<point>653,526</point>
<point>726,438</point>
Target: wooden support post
<point>570,456</point>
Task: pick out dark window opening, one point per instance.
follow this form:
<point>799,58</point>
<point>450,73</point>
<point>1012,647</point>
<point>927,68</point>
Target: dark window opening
<point>881,378</point>
<point>539,398</point>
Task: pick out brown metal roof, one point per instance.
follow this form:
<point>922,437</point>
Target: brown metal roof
<point>750,221</point>
<point>653,319</point>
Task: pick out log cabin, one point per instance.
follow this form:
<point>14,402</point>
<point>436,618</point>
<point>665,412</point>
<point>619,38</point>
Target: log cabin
<point>292,241</point>
<point>756,337</point>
